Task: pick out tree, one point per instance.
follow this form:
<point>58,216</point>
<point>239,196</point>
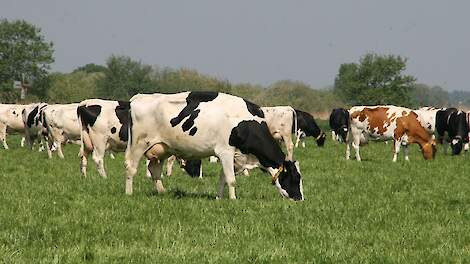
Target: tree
<point>423,95</point>
<point>124,78</point>
<point>73,87</point>
<point>377,79</point>
<point>23,52</point>
<point>90,68</point>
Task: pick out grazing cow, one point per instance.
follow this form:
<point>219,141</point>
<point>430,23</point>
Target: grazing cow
<point>339,124</point>
<point>104,126</point>
<point>194,125</point>
<point>280,121</point>
<point>11,120</point>
<point>450,124</point>
<point>192,167</point>
<point>34,129</point>
<point>307,127</point>
<point>61,123</point>
<point>389,122</point>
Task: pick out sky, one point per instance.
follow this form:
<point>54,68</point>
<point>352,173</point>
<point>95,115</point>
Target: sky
<point>258,41</point>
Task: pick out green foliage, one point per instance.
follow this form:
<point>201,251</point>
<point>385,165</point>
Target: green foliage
<point>173,81</point>
<point>91,68</point>
<point>424,95</point>
<point>23,50</point>
<point>375,211</point>
<point>124,78</point>
<point>73,87</point>
<point>460,98</point>
<point>375,80</point>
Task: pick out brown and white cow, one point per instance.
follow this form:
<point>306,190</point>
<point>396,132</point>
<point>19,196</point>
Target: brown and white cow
<point>194,125</point>
<point>387,122</point>
<point>281,120</point>
<point>11,120</point>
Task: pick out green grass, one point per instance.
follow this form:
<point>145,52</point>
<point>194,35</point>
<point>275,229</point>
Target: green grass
<point>368,212</point>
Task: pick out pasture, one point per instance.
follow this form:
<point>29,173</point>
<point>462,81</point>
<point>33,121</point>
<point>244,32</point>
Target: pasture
<point>369,212</point>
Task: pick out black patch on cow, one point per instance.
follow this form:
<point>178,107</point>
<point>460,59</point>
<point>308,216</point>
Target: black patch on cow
<point>113,130</point>
<point>307,124</point>
<point>193,131</point>
<point>289,179</point>
<point>14,112</point>
<point>254,109</point>
<point>193,100</point>
<point>251,137</point>
<point>457,129</point>
<point>339,120</point>
<point>122,113</point>
<point>88,114</point>
<point>190,121</point>
<point>32,114</point>
<point>192,167</point>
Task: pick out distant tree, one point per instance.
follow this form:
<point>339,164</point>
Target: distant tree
<point>377,79</point>
<point>124,78</point>
<point>90,68</point>
<point>73,87</point>
<point>423,95</point>
<point>173,81</point>
<point>23,51</point>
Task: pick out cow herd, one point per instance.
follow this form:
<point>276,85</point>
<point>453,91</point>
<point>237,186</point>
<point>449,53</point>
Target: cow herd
<point>191,126</point>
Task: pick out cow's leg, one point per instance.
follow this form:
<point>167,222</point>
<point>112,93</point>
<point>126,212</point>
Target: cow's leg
<point>348,147</point>
<point>98,157</point>
<point>23,139</point>
<point>169,165</point>
<point>333,135</point>
<point>356,141</point>
<point>396,149</point>
<point>297,134</point>
<point>246,172</point>
<point>227,175</point>
<point>303,143</point>
<point>155,168</point>
<point>83,161</point>
<point>405,152</point>
<point>289,147</point>
<point>3,135</point>
<point>131,163</point>
<point>49,148</point>
<point>59,149</point>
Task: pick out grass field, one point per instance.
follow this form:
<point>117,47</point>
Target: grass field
<point>370,212</point>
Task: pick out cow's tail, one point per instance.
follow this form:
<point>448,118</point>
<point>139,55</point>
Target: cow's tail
<point>85,140</point>
<point>294,114</point>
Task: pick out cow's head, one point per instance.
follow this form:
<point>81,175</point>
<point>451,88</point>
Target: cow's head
<point>321,139</point>
<point>456,144</point>
<point>289,181</point>
<point>429,150</point>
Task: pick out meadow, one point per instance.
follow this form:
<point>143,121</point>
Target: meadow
<point>375,211</point>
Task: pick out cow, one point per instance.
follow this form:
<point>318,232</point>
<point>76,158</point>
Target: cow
<point>192,167</point>
<point>103,127</point>
<point>450,125</point>
<point>280,121</point>
<point>307,127</point>
<point>11,120</point>
<point>194,125</point>
<point>389,122</point>
<point>34,129</point>
<point>339,124</point>
<point>61,123</point>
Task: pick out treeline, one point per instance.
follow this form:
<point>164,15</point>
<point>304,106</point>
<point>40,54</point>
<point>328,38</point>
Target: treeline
<point>26,56</point>
<point>123,77</point>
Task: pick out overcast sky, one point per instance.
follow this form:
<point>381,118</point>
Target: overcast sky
<point>258,41</point>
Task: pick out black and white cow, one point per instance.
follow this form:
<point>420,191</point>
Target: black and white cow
<point>104,127</point>
<point>11,120</point>
<point>449,124</point>
<point>33,125</point>
<point>339,124</point>
<point>194,125</point>
<point>307,127</point>
<point>61,123</point>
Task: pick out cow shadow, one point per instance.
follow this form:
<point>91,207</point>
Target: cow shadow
<point>182,194</point>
